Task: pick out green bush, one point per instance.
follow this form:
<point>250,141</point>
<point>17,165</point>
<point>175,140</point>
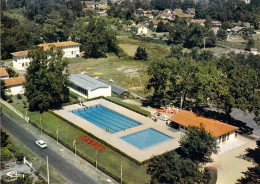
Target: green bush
<point>11,147</point>
<point>5,154</point>
<point>19,96</point>
<point>129,106</point>
<point>213,176</point>
<point>19,155</point>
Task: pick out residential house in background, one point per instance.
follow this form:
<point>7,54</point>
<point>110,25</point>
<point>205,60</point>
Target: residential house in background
<point>15,85</point>
<point>191,11</point>
<point>254,51</point>
<point>88,87</point>
<point>236,31</point>
<point>21,60</point>
<point>3,73</point>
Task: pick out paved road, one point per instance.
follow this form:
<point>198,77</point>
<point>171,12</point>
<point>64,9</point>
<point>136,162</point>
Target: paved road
<point>68,170</point>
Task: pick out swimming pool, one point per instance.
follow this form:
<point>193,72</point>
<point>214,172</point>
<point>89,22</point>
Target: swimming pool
<point>106,118</point>
<point>146,138</point>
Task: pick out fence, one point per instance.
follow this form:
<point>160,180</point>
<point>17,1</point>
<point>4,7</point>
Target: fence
<point>26,162</point>
<point>26,118</point>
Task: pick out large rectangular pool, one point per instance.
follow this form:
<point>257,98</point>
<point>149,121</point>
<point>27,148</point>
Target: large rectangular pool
<point>146,138</point>
<point>106,118</point>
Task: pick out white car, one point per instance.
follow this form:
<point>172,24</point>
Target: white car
<point>41,143</point>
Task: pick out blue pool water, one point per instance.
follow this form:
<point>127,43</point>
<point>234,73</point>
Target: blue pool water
<point>146,138</point>
<point>106,118</point>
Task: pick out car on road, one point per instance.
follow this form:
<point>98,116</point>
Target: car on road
<point>41,144</point>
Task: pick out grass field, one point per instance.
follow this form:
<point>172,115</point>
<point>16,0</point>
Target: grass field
<point>125,72</point>
<point>154,50</point>
<point>121,71</point>
<point>108,159</point>
<point>55,177</point>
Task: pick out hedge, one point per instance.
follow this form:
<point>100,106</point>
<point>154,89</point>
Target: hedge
<point>130,107</point>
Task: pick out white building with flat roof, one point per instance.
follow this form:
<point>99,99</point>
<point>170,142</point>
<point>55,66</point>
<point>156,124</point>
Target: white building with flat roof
<point>21,60</point>
<point>88,87</point>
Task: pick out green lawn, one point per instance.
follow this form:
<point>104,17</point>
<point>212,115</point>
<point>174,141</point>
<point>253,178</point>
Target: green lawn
<point>154,50</point>
<point>108,159</point>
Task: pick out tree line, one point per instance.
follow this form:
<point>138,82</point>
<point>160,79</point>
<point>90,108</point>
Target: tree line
<point>222,10</point>
<point>52,21</point>
<point>199,79</point>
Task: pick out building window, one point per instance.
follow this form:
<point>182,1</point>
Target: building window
<point>22,64</point>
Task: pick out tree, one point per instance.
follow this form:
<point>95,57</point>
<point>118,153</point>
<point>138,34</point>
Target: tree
<point>197,144</point>
<point>4,138</point>
<point>176,51</point>
<point>208,22</point>
<point>11,72</point>
<point>250,44</point>
<point>3,90</point>
<point>161,27</point>
<point>141,54</point>
<point>252,175</point>
<point>173,169</point>
<point>195,36</point>
<point>46,83</point>
<point>222,34</point>
<point>98,40</point>
<point>178,34</point>
<point>159,71</point>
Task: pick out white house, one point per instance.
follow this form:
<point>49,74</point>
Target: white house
<point>142,30</point>
<point>88,87</point>
<point>21,60</point>
<point>3,73</point>
<point>221,131</point>
<point>15,85</point>
<point>254,51</point>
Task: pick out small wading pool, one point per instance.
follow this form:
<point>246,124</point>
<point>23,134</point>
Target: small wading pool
<point>146,138</point>
<point>106,118</point>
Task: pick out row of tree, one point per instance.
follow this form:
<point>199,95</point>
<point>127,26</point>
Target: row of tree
<point>199,79</point>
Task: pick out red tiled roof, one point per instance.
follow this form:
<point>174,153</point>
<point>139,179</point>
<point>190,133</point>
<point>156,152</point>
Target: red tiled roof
<point>3,72</point>
<point>47,46</point>
<point>20,53</point>
<point>14,81</point>
<point>188,118</point>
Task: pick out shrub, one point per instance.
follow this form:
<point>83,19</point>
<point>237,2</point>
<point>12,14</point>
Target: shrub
<point>11,147</point>
<point>19,155</point>
<point>19,96</point>
<point>5,154</point>
<point>141,54</point>
<point>9,99</point>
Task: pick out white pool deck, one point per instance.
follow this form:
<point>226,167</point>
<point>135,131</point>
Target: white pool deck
<point>115,138</point>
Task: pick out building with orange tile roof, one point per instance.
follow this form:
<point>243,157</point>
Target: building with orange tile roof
<point>221,131</point>
<point>15,85</point>
<point>3,73</point>
<point>21,60</point>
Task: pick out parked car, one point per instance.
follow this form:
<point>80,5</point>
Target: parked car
<point>41,144</point>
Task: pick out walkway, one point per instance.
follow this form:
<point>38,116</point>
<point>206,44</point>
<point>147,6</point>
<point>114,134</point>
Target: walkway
<point>115,138</point>
<point>229,165</point>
